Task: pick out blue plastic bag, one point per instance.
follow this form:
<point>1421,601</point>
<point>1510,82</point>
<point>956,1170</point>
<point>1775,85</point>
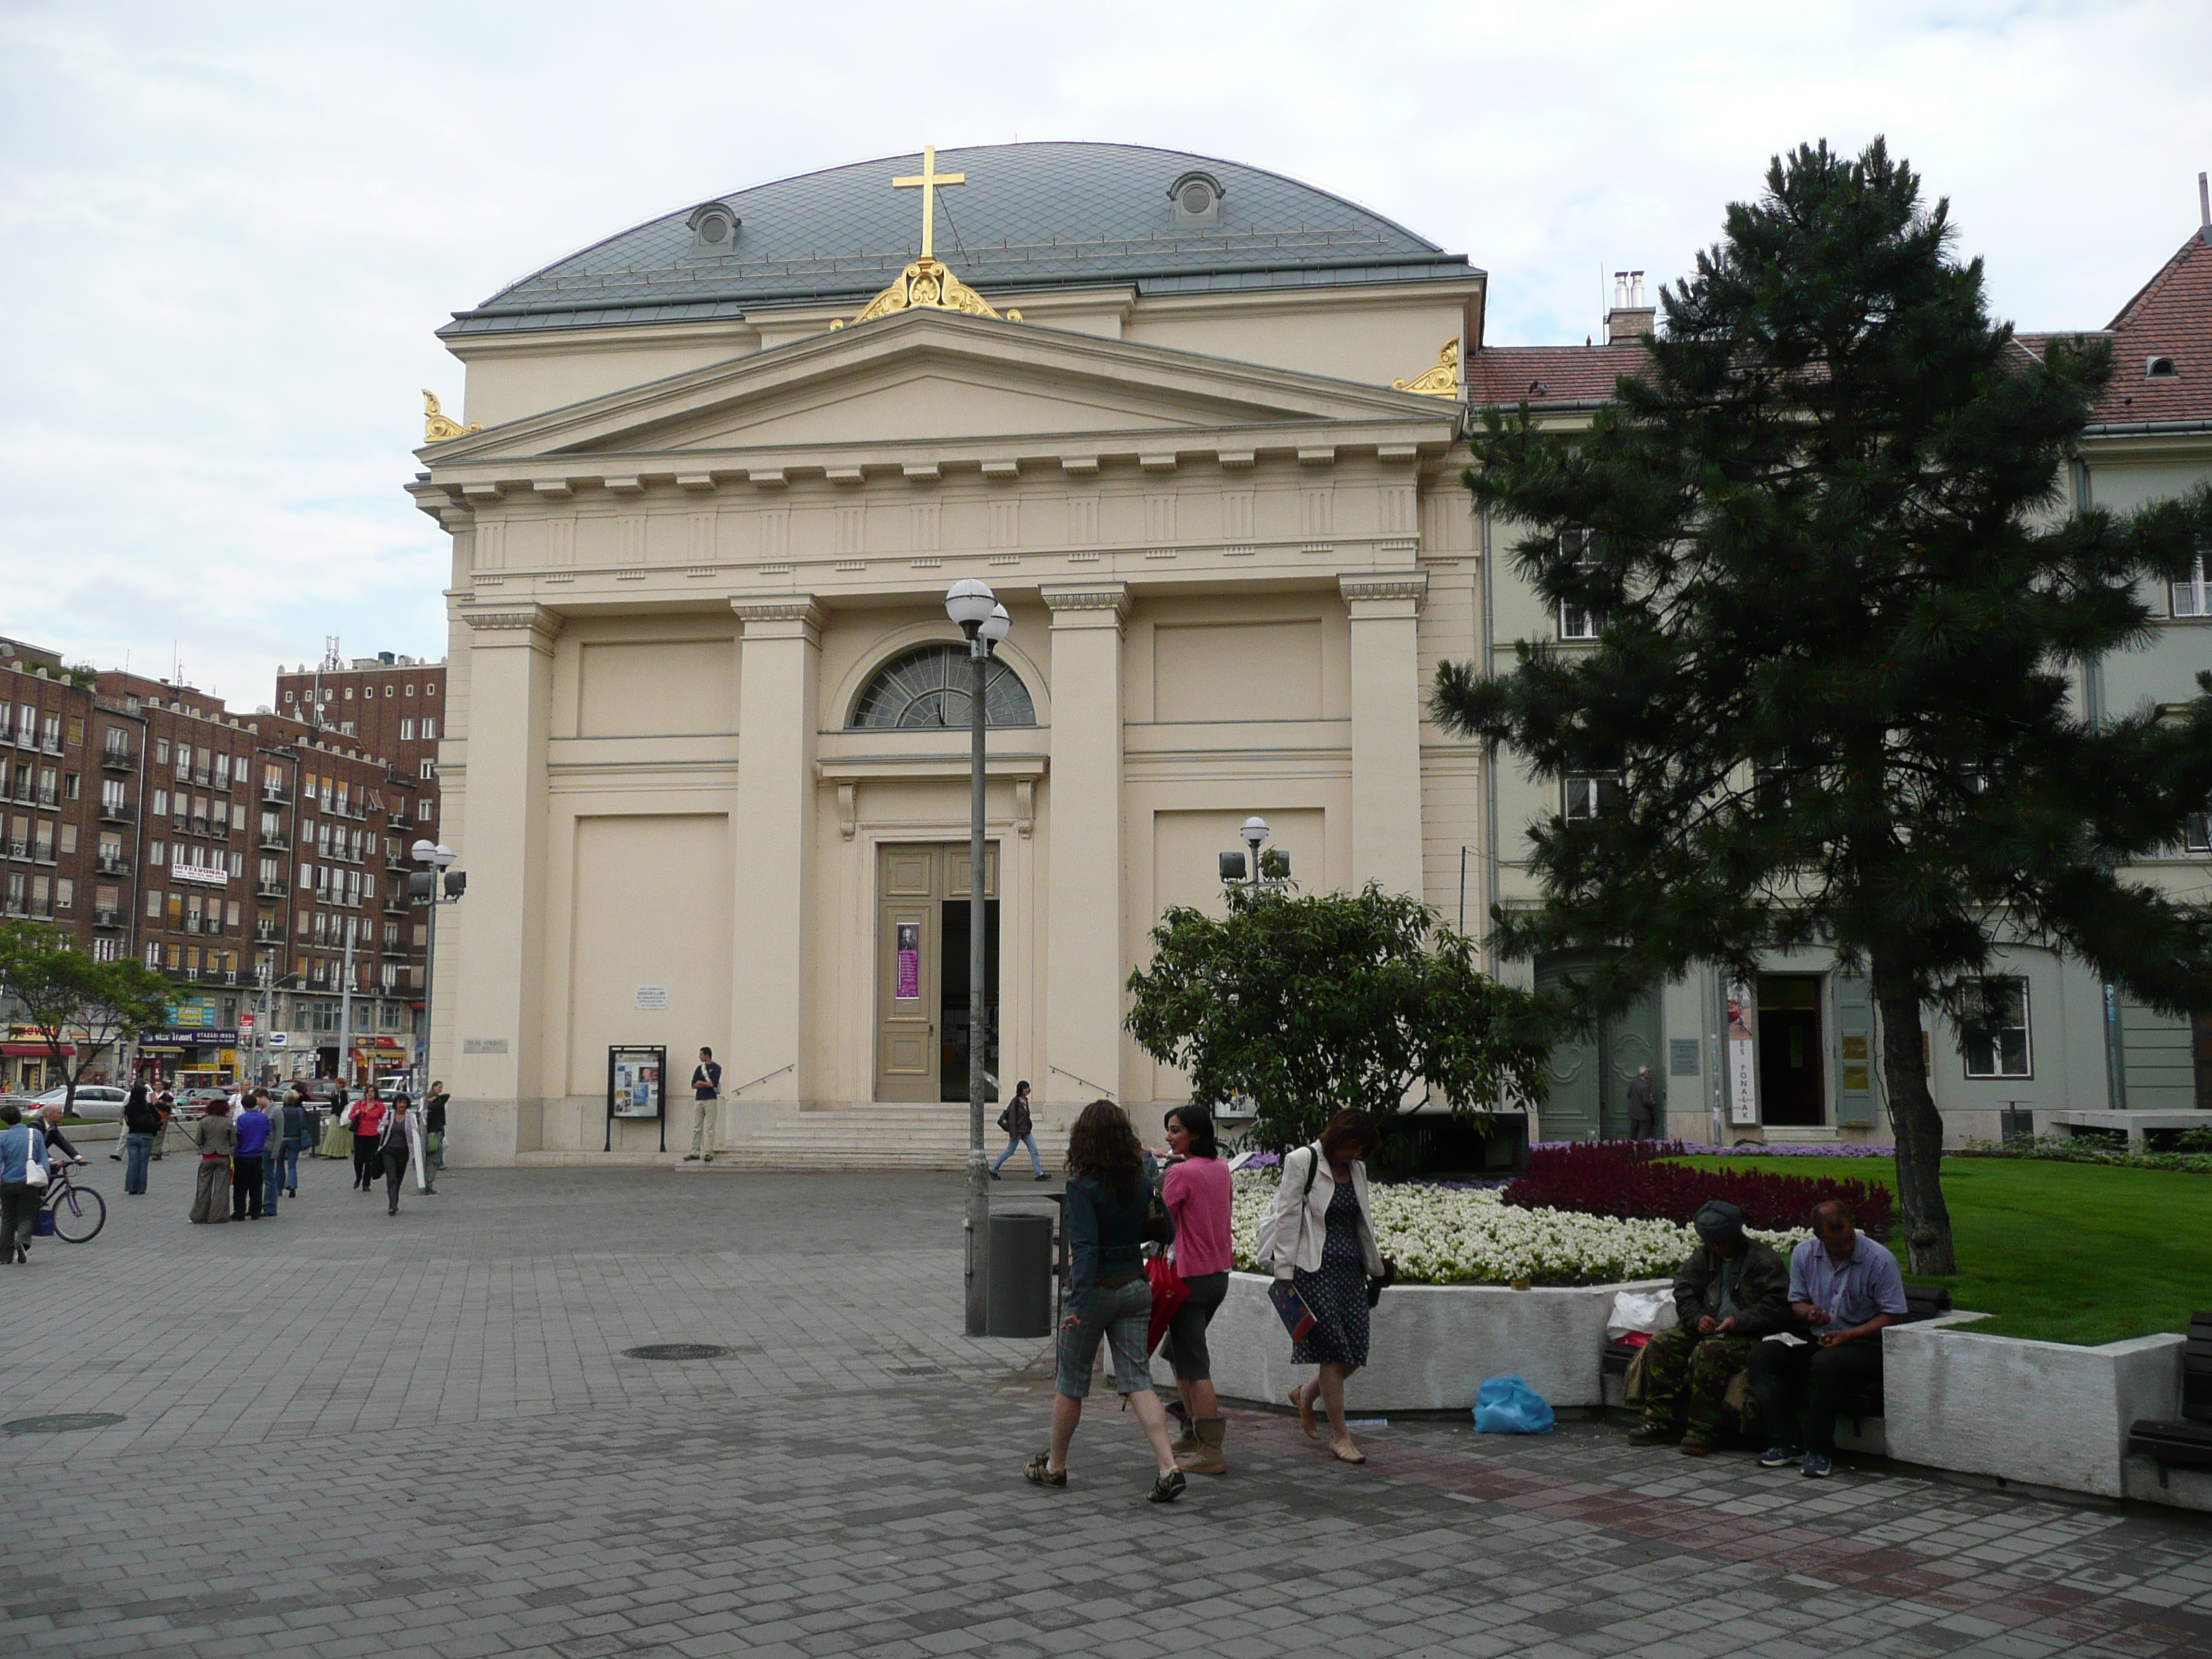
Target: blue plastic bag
<point>1506,1405</point>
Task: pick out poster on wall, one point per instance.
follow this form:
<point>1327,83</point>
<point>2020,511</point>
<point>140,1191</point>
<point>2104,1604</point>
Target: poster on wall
<point>1742,1058</point>
<point>909,962</point>
<point>634,1079</point>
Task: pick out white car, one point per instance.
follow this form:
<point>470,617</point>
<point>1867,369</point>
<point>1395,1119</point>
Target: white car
<point>101,1103</point>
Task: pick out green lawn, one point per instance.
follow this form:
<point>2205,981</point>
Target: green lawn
<point>2066,1252</point>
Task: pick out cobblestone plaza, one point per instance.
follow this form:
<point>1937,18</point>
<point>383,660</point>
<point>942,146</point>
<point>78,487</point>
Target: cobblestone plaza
<point>343,1434</point>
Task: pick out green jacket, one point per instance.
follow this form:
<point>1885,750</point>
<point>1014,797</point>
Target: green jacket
<point>1762,1290</point>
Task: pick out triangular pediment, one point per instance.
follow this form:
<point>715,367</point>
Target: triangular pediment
<point>935,376</point>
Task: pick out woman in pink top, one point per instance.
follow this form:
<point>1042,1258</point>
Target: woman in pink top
<point>1196,1191</point>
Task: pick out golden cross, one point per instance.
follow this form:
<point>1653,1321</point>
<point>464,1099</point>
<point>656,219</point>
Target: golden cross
<point>929,178</point>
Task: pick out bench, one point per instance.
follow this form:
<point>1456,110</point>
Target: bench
<point>2186,1443</point>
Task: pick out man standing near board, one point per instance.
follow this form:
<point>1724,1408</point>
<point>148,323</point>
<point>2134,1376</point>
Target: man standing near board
<point>1643,1106</point>
<point>705,1089</point>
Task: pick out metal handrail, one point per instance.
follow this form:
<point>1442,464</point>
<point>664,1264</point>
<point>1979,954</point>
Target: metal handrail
<point>763,1078</point>
<point>1099,1087</point>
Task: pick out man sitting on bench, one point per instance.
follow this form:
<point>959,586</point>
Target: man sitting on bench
<point>1730,1293</point>
<point>1845,1288</point>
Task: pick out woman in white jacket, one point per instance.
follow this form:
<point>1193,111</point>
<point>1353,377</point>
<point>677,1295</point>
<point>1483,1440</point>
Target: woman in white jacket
<point>1323,1242</point>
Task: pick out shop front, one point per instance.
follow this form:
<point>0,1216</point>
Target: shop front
<point>27,1063</point>
<point>188,1057</point>
<point>381,1057</point>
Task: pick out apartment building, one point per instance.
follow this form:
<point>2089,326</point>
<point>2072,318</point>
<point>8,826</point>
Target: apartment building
<point>391,705</point>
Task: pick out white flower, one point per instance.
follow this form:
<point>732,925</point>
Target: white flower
<point>1448,1237</point>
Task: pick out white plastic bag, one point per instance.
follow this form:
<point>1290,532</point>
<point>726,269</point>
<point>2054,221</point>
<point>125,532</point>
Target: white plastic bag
<point>1647,1311</point>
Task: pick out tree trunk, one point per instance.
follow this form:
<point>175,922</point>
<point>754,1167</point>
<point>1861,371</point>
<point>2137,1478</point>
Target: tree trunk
<point>1917,1124</point>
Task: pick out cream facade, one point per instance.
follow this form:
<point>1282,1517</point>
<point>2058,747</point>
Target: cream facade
<point>684,557</point>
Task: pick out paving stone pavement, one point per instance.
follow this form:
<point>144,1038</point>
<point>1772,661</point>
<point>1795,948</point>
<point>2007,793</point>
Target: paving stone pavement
<point>344,1433</point>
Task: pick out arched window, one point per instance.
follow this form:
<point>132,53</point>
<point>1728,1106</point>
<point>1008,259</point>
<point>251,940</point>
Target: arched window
<point>929,686</point>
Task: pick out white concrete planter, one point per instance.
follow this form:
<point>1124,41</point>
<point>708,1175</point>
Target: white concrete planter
<point>1430,1345</point>
<point>2044,1412</point>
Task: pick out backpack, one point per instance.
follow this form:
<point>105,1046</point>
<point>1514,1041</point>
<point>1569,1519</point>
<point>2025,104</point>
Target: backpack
<point>1265,1254</point>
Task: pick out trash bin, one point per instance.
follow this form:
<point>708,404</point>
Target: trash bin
<point>1020,1302</point>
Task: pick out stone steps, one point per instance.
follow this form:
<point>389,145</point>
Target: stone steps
<point>921,1136</point>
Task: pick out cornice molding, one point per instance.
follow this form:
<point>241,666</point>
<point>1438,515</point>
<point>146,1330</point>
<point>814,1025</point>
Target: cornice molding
<point>532,622</point>
<point>1396,585</point>
<point>787,615</point>
<point>1087,596</point>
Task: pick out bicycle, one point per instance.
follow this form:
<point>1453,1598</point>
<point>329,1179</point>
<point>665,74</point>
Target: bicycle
<point>79,1213</point>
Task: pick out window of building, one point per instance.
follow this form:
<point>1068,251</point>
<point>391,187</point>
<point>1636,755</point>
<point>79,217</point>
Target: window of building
<point>430,768</point>
<point>2001,1050</point>
<point>2192,594</point>
<point>410,690</point>
<point>152,904</point>
<point>1590,796</point>
<point>1578,622</point>
<point>65,893</point>
<point>153,953</point>
<point>2198,836</point>
<point>928,687</point>
<point>345,728</point>
<point>69,838</point>
<point>160,751</point>
<point>160,803</point>
<point>429,727</point>
<point>407,731</point>
<point>107,948</point>
<point>72,786</point>
<point>430,691</point>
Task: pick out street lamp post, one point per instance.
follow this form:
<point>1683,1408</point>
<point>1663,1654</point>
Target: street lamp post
<point>981,617</point>
<point>432,887</point>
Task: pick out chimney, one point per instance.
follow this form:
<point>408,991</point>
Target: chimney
<point>1629,319</point>
<point>2204,209</point>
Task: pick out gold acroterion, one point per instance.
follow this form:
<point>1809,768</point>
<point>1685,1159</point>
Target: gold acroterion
<point>929,180</point>
<point>927,284</point>
<point>438,426</point>
<point>1442,381</point>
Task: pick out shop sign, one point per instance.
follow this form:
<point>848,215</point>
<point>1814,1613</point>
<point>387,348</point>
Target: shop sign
<point>1742,1057</point>
<point>192,1011</point>
<point>207,875</point>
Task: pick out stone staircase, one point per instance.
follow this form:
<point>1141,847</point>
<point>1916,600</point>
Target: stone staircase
<point>849,1136</point>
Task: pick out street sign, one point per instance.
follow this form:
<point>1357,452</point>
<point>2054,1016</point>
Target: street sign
<point>245,1024</point>
<point>279,1039</point>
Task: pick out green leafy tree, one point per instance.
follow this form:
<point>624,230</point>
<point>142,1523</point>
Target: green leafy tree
<point>1311,1005</point>
<point>73,1001</point>
<point>1842,610</point>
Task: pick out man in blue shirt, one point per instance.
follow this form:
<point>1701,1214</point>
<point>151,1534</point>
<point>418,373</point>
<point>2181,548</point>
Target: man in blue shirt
<point>1844,1288</point>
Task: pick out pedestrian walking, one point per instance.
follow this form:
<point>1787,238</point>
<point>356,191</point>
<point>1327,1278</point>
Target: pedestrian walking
<point>365,1117</point>
<point>1643,1107</point>
<point>216,1138</point>
<point>1196,1192</point>
<point>1110,1193</point>
<point>434,1133</point>
<point>393,1149</point>
<point>1320,1240</point>
<point>165,1104</point>
<point>1015,1120</point>
<point>141,1122</point>
<point>294,1126</point>
<point>336,1135</point>
<point>705,1089</point>
<point>249,1150</point>
<point>23,1182</point>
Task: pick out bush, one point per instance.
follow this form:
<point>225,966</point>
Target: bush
<point>1629,1179</point>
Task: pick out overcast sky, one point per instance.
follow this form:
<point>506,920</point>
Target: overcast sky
<point>227,231</point>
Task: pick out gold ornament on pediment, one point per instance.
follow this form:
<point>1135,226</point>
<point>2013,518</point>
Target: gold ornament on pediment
<point>438,426</point>
<point>1442,381</point>
<point>927,284</point>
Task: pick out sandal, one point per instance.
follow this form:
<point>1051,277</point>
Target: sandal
<point>1168,1487</point>
<point>1345,1452</point>
<point>1038,1472</point>
<point>1306,1419</point>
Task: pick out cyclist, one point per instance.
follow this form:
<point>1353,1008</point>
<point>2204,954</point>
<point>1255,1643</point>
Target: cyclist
<point>50,1120</point>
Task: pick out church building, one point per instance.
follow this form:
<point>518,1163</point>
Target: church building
<point>705,757</point>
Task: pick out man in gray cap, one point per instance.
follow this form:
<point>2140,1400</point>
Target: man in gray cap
<point>1732,1291</point>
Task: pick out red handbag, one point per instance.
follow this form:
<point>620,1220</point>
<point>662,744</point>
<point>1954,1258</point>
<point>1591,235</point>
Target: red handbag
<point>1168,1294</point>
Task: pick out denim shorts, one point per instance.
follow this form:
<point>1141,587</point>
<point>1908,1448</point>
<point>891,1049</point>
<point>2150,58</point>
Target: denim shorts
<point>1123,1316</point>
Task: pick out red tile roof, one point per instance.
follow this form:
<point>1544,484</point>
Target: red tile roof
<point>1549,374</point>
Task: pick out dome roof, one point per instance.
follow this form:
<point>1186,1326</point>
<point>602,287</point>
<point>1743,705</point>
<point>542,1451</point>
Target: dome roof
<point>1030,216</point>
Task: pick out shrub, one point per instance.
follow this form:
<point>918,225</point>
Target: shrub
<point>1629,1179</point>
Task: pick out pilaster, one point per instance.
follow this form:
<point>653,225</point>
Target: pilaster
<point>772,958</point>
<point>493,983</point>
<point>1084,882</point>
<point>1386,727</point>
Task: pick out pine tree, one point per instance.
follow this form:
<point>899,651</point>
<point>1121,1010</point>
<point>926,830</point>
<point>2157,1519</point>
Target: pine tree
<point>1843,607</point>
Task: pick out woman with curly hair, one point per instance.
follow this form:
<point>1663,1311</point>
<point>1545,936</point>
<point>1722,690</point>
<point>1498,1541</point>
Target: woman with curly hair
<point>1109,1188</point>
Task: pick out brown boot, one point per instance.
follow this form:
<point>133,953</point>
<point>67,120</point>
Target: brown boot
<point>1206,1459</point>
<point>1186,1444</point>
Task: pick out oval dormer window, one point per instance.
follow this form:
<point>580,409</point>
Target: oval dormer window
<point>714,228</point>
<point>2160,369</point>
<point>1197,199</point>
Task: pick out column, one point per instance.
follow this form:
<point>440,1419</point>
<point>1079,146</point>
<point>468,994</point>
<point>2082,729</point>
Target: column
<point>1386,728</point>
<point>1083,882</point>
<point>491,945</point>
<point>772,962</point>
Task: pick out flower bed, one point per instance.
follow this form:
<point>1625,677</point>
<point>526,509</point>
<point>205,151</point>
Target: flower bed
<point>1442,1235</point>
<point>1630,1179</point>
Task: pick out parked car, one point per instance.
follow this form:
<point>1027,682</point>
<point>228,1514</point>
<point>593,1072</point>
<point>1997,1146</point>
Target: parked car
<point>101,1103</point>
<point>192,1103</point>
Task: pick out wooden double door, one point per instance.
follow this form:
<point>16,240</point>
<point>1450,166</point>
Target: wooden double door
<point>923,1044</point>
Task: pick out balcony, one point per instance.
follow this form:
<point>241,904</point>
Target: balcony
<point>276,794</point>
<point>116,760</point>
<point>199,776</point>
<point>269,889</point>
<point>268,933</point>
<point>48,799</point>
<point>275,841</point>
<point>116,811</point>
<point>105,918</point>
<point>19,849</point>
<point>110,864</point>
<point>44,852</point>
<point>52,745</point>
<point>396,904</point>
